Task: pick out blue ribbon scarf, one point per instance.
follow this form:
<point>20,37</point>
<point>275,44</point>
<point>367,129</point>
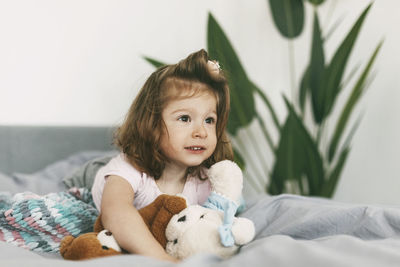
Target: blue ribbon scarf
<point>229,208</point>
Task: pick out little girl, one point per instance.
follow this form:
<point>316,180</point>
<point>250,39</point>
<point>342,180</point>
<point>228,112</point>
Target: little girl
<point>173,132</point>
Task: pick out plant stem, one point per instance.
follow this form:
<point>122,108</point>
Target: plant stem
<point>269,106</point>
<point>330,13</point>
<point>265,132</point>
<point>256,183</point>
<point>257,150</point>
<point>320,130</point>
<point>300,185</point>
<point>292,73</point>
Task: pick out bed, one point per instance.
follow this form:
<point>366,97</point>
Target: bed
<point>290,230</point>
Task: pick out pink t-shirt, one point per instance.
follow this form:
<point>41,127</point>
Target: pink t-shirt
<point>145,188</point>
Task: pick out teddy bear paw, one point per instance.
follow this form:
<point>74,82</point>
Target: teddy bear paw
<point>243,231</point>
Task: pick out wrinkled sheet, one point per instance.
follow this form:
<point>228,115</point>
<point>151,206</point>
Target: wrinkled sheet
<point>310,218</point>
<point>290,231</point>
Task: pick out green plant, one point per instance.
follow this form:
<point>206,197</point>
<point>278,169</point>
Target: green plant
<point>302,161</point>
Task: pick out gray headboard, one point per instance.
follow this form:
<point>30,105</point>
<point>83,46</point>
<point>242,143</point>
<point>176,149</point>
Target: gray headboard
<point>30,148</point>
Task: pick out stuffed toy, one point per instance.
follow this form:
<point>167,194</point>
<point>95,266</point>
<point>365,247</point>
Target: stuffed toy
<point>213,227</point>
<point>183,231</point>
<point>102,243</point>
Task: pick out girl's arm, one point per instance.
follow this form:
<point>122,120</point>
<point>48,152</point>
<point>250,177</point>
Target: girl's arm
<point>120,217</point>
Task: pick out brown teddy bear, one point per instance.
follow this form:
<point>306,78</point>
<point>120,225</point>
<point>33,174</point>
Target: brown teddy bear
<point>101,243</point>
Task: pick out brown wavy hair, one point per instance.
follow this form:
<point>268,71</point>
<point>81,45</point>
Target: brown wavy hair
<point>140,134</point>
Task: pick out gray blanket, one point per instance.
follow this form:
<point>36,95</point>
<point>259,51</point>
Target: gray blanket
<point>290,231</point>
<point>310,218</point>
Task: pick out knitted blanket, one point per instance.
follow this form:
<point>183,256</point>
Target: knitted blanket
<point>39,223</point>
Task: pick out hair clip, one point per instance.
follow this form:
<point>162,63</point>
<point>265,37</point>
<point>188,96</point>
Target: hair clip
<point>214,66</point>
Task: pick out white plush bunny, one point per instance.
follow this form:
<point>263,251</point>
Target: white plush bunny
<point>212,228</point>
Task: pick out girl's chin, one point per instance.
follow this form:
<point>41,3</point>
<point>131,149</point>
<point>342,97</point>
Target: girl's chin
<point>187,163</point>
<point>190,160</point>
<point>193,163</point>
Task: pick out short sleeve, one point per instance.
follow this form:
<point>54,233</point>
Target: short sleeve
<point>118,166</point>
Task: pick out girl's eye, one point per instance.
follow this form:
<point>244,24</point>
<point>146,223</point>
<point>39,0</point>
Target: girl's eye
<point>210,120</point>
<point>184,118</point>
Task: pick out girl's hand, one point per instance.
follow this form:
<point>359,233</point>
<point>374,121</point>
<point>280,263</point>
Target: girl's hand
<point>120,216</point>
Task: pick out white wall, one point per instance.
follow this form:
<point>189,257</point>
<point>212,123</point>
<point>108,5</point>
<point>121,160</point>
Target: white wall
<point>79,63</point>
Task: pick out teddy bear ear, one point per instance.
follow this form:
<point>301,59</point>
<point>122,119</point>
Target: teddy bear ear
<point>172,205</point>
<point>243,230</point>
<point>98,226</point>
<point>183,196</point>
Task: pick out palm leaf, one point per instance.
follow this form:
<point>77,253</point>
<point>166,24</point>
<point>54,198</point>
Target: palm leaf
<point>316,70</point>
<point>333,178</point>
<point>288,16</point>
<point>316,2</point>
<point>305,81</point>
<point>304,87</point>
<point>154,62</point>
<point>297,155</point>
<point>242,101</point>
<point>332,29</point>
<point>334,72</point>
<point>350,104</point>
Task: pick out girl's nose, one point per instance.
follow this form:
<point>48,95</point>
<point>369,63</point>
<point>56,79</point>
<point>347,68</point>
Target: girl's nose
<point>199,132</point>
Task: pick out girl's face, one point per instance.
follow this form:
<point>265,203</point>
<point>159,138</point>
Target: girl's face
<point>190,135</point>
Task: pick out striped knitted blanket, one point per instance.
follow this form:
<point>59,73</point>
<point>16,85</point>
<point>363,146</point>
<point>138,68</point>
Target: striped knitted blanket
<point>39,223</point>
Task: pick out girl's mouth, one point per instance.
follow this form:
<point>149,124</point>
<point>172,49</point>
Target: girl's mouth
<point>195,148</point>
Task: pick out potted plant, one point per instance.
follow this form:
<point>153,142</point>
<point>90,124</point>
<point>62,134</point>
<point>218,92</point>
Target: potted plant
<point>302,163</point>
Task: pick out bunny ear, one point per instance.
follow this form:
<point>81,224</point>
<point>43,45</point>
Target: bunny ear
<point>243,230</point>
<point>226,178</point>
